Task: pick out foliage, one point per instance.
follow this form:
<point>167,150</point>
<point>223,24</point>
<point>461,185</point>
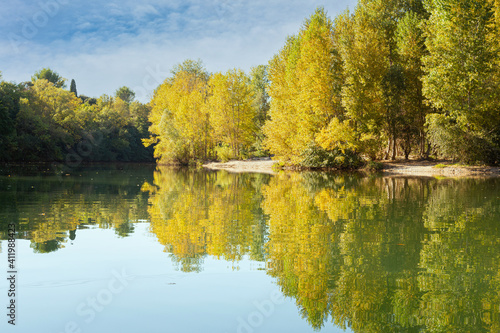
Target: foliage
<point>180,121</point>
<point>304,89</point>
<point>224,152</point>
<point>374,166</point>
<point>317,157</point>
<point>462,79</point>
<point>259,81</point>
<point>451,139</point>
<point>231,112</point>
<point>125,94</point>
<point>72,87</point>
<point>51,76</point>
<point>193,113</point>
<point>44,122</point>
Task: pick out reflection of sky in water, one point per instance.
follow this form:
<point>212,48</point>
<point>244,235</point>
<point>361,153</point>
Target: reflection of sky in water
<point>160,298</point>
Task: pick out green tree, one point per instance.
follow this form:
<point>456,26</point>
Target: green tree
<point>461,79</point>
<point>51,76</point>
<point>72,87</point>
<point>125,94</point>
<point>410,45</point>
<point>10,95</point>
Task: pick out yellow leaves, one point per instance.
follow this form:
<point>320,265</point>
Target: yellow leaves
<point>231,109</point>
<point>202,214</point>
<point>179,119</point>
<point>304,89</point>
<point>192,112</point>
<point>337,135</point>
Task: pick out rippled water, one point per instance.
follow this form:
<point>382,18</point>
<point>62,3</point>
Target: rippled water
<point>133,248</point>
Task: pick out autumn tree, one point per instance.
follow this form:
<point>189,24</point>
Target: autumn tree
<point>259,81</point>
<point>231,110</point>
<point>461,79</point>
<point>180,122</point>
<point>305,89</point>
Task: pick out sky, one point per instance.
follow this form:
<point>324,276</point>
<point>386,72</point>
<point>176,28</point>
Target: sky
<point>104,45</point>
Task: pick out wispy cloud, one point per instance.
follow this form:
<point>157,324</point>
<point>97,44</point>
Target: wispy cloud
<point>107,44</point>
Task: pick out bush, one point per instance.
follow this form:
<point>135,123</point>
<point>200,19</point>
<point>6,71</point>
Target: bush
<point>224,152</point>
<point>374,166</point>
<point>459,142</point>
<point>316,157</point>
<point>440,166</point>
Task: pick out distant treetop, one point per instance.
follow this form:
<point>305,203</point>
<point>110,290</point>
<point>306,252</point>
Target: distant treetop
<point>51,76</point>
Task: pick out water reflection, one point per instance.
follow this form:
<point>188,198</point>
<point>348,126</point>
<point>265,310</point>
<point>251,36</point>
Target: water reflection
<point>195,214</point>
<point>387,254</point>
<point>369,253</point>
<point>50,210</point>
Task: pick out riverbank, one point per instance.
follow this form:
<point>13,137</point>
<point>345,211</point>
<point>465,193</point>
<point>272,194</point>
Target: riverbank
<point>438,169</point>
<point>408,168</point>
<point>262,165</point>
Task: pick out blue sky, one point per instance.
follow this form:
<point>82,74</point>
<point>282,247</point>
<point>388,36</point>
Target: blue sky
<point>107,44</point>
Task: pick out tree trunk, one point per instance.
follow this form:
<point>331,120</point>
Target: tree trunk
<point>393,157</point>
<point>388,151</point>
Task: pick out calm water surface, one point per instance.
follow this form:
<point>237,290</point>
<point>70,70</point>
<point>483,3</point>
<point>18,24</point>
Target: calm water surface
<point>137,249</point>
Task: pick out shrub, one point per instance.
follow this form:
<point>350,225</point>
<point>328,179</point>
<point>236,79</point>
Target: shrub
<point>459,142</point>
<point>374,166</point>
<point>224,152</point>
<point>316,157</point>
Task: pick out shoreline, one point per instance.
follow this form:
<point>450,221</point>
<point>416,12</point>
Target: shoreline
<point>390,168</point>
<point>262,165</point>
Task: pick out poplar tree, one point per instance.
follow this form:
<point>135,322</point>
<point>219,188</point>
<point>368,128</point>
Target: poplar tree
<point>461,79</point>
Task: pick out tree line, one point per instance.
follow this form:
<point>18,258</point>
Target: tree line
<point>417,77</point>
<point>392,78</point>
<point>42,121</point>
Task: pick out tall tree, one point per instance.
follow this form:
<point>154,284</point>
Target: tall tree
<point>72,87</point>
<point>461,79</point>
<point>232,115</point>
<point>259,82</point>
<point>411,49</point>
<point>180,122</point>
<point>305,80</point>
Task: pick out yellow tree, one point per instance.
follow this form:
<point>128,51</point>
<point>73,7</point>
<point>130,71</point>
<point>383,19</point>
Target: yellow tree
<point>305,89</point>
<point>281,128</point>
<point>232,111</point>
<point>180,122</point>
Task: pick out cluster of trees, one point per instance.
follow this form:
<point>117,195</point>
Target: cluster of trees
<point>391,78</point>
<point>405,75</point>
<point>42,121</point>
<point>198,116</point>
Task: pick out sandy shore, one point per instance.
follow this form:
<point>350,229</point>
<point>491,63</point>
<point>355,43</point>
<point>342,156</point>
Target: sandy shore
<point>439,169</point>
<point>264,165</point>
<point>408,168</point>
